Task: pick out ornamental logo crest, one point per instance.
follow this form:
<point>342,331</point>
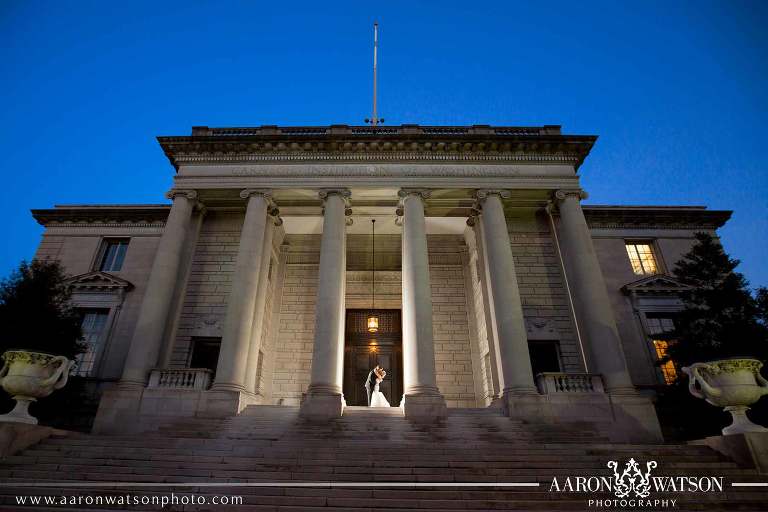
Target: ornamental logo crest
<point>632,482</point>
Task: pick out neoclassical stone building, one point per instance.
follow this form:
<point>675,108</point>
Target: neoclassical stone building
<point>493,285</point>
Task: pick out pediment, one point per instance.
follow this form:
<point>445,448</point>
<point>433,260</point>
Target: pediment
<point>658,284</point>
<point>98,281</point>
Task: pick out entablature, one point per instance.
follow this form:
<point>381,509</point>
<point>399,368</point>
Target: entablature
<point>405,143</point>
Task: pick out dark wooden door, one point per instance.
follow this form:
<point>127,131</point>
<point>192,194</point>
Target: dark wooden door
<point>364,350</point>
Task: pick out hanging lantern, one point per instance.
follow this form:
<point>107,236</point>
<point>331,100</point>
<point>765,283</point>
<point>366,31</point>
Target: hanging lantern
<point>373,323</point>
<point>373,319</point>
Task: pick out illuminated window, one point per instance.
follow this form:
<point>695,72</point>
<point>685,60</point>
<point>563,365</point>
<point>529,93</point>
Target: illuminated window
<point>642,259</point>
<point>658,325</point>
<point>668,369</point>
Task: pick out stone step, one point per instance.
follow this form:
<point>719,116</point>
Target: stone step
<point>467,449</point>
<point>307,458</point>
<point>295,504</point>
<point>272,444</point>
<point>136,449</point>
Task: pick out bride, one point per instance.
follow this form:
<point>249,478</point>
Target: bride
<point>376,398</point>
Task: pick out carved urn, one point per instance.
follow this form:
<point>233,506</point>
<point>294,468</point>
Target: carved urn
<point>27,376</point>
<point>733,384</point>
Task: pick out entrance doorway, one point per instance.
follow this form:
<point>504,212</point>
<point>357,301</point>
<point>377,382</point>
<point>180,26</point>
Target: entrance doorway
<point>364,350</point>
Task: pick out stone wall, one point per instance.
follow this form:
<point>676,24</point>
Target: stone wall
<point>209,283</point>
<point>546,305</point>
<point>450,322</point>
<point>295,335</point>
<point>50,247</point>
<point>669,246</point>
<point>76,246</point>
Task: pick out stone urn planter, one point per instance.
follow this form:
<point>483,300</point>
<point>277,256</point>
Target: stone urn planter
<point>733,384</point>
<point>27,376</point>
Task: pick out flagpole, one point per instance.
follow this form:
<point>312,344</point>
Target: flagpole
<point>374,119</point>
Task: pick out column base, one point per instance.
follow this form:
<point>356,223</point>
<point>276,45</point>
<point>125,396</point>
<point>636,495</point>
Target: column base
<point>222,403</point>
<point>423,408</point>
<point>322,407</point>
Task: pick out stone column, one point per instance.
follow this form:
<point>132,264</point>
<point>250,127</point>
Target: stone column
<point>422,399</point>
<point>238,323</point>
<point>324,398</point>
<point>590,296</point>
<point>156,303</point>
<point>508,311</point>
<point>261,300</point>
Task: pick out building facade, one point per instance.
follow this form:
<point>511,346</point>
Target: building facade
<point>492,284</point>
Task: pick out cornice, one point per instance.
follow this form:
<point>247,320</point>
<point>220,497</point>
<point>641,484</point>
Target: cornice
<point>406,143</point>
<point>654,217</point>
<point>103,216</point>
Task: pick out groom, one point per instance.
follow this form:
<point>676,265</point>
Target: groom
<point>370,382</point>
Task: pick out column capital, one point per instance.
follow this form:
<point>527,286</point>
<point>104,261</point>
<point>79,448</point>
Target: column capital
<point>561,194</point>
<point>325,193</point>
<point>250,192</point>
<point>483,193</point>
<point>189,194</point>
<point>424,193</point>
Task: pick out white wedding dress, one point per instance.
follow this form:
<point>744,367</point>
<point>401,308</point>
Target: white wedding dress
<point>377,397</point>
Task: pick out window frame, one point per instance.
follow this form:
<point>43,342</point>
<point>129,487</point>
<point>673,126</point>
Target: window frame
<point>101,342</point>
<point>652,344</point>
<point>209,340</point>
<point>651,243</point>
<point>106,241</point>
<point>558,354</point>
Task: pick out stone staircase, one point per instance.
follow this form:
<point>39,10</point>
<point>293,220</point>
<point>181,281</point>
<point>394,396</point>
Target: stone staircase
<point>271,444</point>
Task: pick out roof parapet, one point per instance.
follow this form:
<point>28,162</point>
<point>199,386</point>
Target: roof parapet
<point>404,129</point>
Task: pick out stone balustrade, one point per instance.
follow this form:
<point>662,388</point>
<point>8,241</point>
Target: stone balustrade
<point>180,378</point>
<point>406,129</point>
<point>556,382</point>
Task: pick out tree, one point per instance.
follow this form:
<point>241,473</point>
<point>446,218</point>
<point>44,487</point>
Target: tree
<point>720,319</point>
<point>36,315</point>
<point>35,311</point>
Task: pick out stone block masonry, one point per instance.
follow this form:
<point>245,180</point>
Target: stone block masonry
<point>450,321</point>
<point>209,285</point>
<point>295,336</point>
<point>546,305</point>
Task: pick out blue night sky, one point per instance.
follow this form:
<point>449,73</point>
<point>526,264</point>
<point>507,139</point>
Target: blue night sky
<point>675,90</point>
